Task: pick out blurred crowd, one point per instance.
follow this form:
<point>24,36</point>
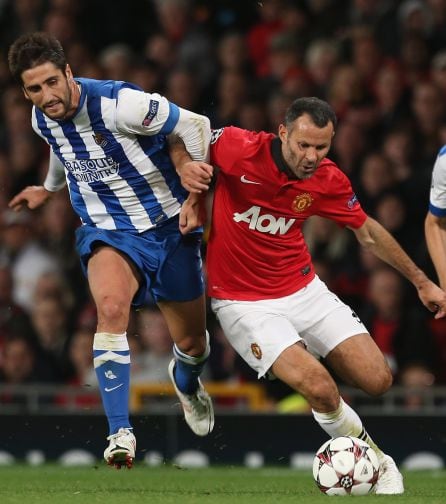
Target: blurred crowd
<point>381,64</point>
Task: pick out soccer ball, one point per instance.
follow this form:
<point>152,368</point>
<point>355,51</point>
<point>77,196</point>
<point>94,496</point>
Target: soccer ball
<point>345,465</point>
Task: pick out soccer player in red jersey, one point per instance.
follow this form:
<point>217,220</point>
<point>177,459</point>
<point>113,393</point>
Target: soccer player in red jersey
<point>275,311</point>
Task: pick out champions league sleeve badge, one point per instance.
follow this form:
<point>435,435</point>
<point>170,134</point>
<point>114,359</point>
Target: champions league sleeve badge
<point>153,110</point>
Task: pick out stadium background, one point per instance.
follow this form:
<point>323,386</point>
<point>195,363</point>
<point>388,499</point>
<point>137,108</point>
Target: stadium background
<point>380,63</point>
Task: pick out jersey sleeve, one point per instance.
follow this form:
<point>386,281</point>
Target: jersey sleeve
<point>437,197</point>
<point>340,203</point>
<point>228,145</point>
<point>55,178</point>
<point>141,113</point>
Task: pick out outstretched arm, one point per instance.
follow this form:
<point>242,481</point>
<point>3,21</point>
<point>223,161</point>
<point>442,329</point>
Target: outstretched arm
<point>35,196</point>
<point>377,239</point>
<point>435,232</point>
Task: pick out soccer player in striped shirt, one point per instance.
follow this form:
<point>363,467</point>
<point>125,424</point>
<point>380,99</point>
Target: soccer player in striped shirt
<point>108,144</point>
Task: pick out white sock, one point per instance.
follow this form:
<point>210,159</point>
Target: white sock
<point>345,422</point>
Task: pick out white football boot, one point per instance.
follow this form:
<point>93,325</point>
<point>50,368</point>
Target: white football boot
<point>390,480</point>
<point>121,450</point>
<point>197,407</point>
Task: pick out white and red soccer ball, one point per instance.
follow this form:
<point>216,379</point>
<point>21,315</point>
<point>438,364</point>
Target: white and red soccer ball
<point>346,465</point>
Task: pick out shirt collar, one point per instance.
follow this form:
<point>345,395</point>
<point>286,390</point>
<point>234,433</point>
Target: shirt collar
<point>276,152</point>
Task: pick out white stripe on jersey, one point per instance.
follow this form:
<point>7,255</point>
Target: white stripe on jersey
<point>95,207</point>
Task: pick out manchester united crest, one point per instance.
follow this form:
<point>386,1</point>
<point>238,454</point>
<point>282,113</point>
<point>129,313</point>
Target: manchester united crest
<point>256,351</point>
<point>302,202</point>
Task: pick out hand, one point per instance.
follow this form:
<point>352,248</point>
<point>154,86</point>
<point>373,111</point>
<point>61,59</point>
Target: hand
<point>192,214</point>
<point>195,176</point>
<point>31,196</point>
<point>433,298</point>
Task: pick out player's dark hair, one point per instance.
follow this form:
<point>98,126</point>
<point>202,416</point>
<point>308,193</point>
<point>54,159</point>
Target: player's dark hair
<point>319,110</point>
<point>35,49</point>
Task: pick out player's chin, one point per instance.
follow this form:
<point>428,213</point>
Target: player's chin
<point>306,174</point>
<point>56,112</point>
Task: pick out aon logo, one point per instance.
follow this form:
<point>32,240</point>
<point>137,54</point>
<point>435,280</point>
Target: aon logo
<point>264,223</point>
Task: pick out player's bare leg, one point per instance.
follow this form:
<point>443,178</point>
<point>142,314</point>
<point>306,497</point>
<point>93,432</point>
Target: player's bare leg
<point>113,284</point>
<point>373,376</point>
<point>187,326</point>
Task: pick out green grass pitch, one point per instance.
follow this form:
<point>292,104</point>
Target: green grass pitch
<point>55,484</point>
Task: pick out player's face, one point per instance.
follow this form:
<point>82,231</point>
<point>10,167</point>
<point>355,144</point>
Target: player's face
<point>305,145</point>
<point>52,91</point>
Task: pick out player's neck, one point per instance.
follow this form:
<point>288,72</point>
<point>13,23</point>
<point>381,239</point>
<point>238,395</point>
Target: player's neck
<point>75,88</point>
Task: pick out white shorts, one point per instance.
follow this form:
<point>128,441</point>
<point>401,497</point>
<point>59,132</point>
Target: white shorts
<point>261,330</point>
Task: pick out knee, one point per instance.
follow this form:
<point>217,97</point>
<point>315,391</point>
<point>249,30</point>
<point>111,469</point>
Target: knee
<point>379,383</point>
<point>113,308</point>
<point>194,346</point>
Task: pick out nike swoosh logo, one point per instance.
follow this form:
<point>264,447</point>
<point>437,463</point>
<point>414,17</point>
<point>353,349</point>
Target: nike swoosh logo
<point>246,181</point>
<point>113,388</point>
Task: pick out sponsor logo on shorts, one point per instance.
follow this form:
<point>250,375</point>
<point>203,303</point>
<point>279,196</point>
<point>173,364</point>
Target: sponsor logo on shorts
<point>302,202</point>
<point>256,351</point>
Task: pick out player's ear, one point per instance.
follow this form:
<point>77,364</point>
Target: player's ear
<point>68,72</point>
<point>25,93</point>
<point>283,133</point>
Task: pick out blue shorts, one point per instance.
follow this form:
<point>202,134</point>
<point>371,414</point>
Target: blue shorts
<point>169,263</point>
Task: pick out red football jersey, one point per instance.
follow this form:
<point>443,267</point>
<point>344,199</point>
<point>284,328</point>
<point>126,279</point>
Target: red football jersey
<point>256,248</point>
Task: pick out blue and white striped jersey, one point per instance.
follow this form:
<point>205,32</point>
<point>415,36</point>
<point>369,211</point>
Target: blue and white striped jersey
<point>437,199</point>
<point>115,155</point>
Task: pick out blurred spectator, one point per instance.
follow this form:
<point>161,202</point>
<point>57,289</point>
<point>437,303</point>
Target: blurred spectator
<point>391,98</point>
<point>349,146</point>
<point>62,25</point>
<point>321,58</point>
<point>252,116</point>
<point>402,335</point>
<point>194,48</point>
<point>27,259</point>
<point>116,61</point>
<point>183,89</point>
<point>80,359</point>
<point>391,212</point>
<point>346,90</point>
<point>414,56</point>
<point>146,75</point>
<point>260,35</point>
<point>18,17</point>
<point>416,377</point>
<point>153,361</point>
<point>50,324</point>
<point>231,94</point>
<point>428,108</point>
<point>19,362</point>
<point>438,70</point>
<point>276,107</point>
<point>375,177</point>
<point>13,320</point>
<point>56,233</point>
<point>232,52</point>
